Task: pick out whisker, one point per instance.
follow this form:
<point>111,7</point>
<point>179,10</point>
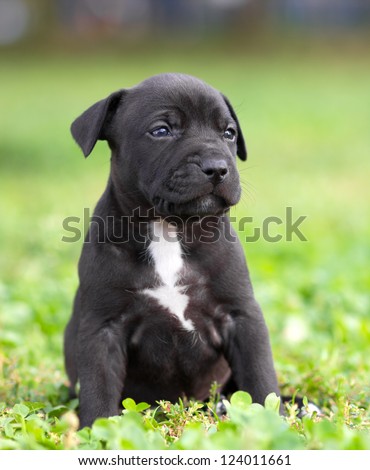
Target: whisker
<point>245,202</point>
<point>248,190</point>
<point>247,168</point>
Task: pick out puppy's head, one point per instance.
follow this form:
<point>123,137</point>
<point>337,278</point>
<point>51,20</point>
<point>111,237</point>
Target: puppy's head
<point>174,141</point>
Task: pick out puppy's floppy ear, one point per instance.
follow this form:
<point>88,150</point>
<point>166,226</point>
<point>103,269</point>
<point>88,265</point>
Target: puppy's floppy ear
<point>92,124</point>
<point>241,148</point>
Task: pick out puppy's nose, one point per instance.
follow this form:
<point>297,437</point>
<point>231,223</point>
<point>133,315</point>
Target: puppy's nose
<point>216,170</point>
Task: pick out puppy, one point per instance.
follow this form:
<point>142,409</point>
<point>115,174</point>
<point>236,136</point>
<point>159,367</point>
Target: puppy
<point>165,305</point>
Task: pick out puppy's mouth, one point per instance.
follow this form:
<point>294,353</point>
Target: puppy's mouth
<point>209,204</point>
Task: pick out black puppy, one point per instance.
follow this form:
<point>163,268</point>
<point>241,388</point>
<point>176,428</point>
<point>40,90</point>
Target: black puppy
<point>165,305</point>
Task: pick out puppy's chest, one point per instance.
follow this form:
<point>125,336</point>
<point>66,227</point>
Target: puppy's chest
<point>178,291</point>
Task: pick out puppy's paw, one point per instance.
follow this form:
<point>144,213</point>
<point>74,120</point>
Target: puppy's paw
<point>220,407</point>
<point>304,409</point>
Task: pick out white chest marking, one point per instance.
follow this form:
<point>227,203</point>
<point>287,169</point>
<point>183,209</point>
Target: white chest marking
<point>166,253</point>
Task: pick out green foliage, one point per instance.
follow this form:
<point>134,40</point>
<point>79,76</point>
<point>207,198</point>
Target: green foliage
<point>306,126</point>
<point>176,426</point>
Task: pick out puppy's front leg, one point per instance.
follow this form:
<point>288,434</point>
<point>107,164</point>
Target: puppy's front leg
<point>249,355</point>
<point>102,370</point>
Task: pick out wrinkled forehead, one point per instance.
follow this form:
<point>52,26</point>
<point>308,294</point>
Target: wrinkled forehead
<point>183,98</point>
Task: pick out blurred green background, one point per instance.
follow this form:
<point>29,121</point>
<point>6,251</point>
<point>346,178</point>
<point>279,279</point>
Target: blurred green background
<point>299,79</point>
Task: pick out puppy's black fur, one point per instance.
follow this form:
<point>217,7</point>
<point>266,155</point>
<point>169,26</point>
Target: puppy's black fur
<point>135,330</point>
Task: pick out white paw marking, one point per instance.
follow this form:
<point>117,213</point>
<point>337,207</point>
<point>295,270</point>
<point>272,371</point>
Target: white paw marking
<point>310,409</point>
<point>166,253</point>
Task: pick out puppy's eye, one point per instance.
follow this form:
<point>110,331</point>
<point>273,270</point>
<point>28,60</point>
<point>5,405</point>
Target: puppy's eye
<point>230,134</point>
<point>162,131</point>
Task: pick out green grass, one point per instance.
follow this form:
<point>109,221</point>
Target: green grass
<point>306,124</point>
